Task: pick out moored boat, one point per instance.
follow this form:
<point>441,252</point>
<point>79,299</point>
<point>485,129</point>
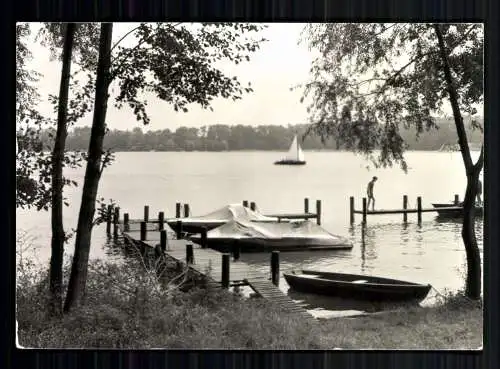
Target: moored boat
<point>265,236</point>
<point>451,210</point>
<point>218,218</point>
<point>356,286</point>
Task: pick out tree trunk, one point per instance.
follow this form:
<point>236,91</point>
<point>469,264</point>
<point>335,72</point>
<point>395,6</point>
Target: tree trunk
<point>57,244</point>
<point>473,281</point>
<point>78,277</point>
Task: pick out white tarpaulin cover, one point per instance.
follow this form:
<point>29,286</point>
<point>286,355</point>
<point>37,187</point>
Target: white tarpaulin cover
<point>230,212</point>
<point>302,230</point>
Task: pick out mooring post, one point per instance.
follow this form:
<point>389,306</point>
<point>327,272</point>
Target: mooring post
<point>236,250</point>
<point>161,220</point>
<point>275,267</point>
<point>115,231</point>
<point>405,206</point>
<point>146,213</point>
<point>163,240</point>
<point>318,212</point>
<point>126,225</point>
<point>252,206</point>
<point>177,209</point>
<point>306,205</point>
<point>203,237</point>
<point>108,219</point>
<point>419,209</point>
<point>116,217</point>
<point>364,210</point>
<point>143,231</point>
<point>189,254</point>
<point>178,229</point>
<point>351,209</point>
<point>457,200</point>
<point>225,269</point>
<point>245,203</point>
<point>186,210</point>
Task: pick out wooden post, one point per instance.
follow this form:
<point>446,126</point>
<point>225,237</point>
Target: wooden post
<point>419,209</point>
<point>116,217</point>
<point>126,225</point>
<point>178,229</point>
<point>146,213</point>
<point>161,220</point>
<point>108,219</point>
<point>405,206</point>
<point>186,210</point>
<point>189,254</point>
<point>203,237</point>
<point>163,240</point>
<point>143,231</point>
<point>245,203</point>
<point>275,267</point>
<point>306,205</point>
<point>115,224</point>
<point>236,250</point>
<point>351,209</point>
<point>177,209</point>
<point>364,210</point>
<point>457,200</point>
<point>318,212</point>
<point>252,206</point>
<point>225,270</point>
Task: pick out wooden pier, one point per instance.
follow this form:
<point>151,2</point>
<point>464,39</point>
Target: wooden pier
<point>217,267</point>
<point>405,210</point>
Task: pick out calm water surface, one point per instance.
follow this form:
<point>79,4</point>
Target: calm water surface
<point>431,253</point>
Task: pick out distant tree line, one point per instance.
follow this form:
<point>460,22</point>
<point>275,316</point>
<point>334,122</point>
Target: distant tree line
<point>221,137</point>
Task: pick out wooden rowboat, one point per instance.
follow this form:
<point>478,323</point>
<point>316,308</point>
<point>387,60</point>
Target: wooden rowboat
<point>356,286</point>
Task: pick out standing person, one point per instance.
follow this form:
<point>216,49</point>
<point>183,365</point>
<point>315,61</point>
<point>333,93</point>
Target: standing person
<point>479,191</point>
<point>369,192</point>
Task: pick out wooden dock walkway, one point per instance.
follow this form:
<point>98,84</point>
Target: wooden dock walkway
<point>209,263</point>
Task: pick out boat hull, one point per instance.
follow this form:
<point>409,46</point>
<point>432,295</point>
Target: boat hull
<point>455,213</point>
<point>265,244</point>
<point>289,162</point>
<point>348,286</point>
<point>190,226</point>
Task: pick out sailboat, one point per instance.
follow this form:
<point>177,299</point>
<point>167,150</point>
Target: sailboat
<point>295,155</point>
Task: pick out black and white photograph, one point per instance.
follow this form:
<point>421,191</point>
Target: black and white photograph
<point>257,186</point>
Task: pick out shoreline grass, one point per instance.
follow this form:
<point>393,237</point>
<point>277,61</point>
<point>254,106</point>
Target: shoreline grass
<point>133,307</point>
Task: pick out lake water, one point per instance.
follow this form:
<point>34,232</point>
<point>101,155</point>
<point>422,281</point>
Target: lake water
<point>431,253</point>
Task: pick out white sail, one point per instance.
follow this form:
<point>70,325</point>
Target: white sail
<point>295,152</point>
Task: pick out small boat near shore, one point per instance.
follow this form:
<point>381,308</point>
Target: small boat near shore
<point>451,210</point>
<point>356,286</point>
<point>295,155</point>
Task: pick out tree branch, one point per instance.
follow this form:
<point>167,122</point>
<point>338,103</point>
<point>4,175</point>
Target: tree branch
<point>117,69</point>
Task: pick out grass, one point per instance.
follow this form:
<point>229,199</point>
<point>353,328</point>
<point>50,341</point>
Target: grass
<point>132,307</point>
<point>456,324</point>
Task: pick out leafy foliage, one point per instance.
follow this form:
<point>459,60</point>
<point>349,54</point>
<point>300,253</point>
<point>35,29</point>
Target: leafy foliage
<point>177,63</point>
<point>372,79</point>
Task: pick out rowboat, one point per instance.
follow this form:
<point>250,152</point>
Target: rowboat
<point>356,286</point>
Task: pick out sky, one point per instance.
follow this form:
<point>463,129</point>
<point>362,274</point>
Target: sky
<point>279,64</point>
